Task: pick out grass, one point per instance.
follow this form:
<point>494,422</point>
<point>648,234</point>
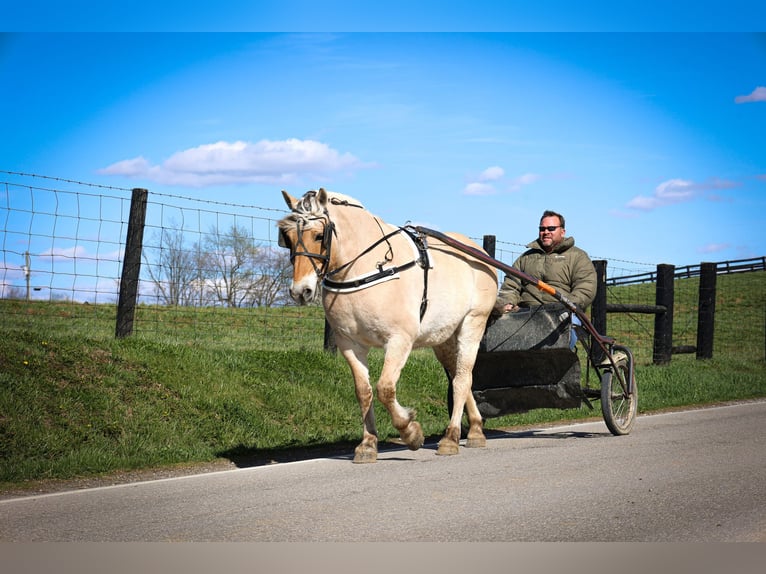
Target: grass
<point>248,386</point>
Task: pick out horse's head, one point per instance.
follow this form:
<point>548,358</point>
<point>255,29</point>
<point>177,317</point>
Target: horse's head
<point>307,233</point>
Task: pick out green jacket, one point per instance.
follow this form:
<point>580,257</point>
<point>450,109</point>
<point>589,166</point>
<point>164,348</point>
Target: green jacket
<point>568,269</point>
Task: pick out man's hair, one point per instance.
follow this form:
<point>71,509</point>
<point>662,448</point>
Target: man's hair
<point>549,213</point>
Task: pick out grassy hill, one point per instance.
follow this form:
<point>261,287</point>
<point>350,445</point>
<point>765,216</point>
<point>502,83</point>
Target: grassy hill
<point>75,401</point>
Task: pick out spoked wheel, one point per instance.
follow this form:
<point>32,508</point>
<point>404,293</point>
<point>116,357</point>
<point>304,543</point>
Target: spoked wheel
<point>618,405</point>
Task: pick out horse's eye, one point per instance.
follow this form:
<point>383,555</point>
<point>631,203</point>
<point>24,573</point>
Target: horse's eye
<point>319,238</point>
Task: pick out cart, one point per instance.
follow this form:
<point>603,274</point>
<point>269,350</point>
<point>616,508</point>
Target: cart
<point>526,360</point>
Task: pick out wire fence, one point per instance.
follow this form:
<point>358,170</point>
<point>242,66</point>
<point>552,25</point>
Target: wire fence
<point>63,245</point>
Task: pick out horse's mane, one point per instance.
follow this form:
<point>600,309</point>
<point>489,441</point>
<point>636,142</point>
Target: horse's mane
<point>308,207</point>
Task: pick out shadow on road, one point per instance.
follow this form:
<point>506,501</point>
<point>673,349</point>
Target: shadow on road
<point>243,456</point>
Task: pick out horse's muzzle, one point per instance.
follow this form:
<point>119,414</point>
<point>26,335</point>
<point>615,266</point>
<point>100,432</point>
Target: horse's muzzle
<point>303,292</point>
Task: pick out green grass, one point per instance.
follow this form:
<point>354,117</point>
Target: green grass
<point>255,385</point>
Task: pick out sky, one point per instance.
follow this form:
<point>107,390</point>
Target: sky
<point>646,130</point>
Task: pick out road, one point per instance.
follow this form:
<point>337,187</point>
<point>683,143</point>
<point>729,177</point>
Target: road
<point>692,476</point>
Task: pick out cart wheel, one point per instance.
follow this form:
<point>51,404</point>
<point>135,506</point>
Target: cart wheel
<point>617,405</point>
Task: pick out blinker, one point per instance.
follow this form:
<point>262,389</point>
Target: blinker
<point>284,240</point>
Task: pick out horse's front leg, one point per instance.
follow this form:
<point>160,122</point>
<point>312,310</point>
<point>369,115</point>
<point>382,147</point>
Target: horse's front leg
<point>403,419</point>
<point>356,357</point>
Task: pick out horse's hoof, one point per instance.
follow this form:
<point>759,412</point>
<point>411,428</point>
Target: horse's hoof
<point>476,442</point>
<point>363,455</point>
<point>413,438</point>
<point>447,447</point>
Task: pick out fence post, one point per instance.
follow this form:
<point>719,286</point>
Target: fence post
<point>489,245</point>
<point>706,311</point>
<point>598,308</point>
<point>329,339</point>
<point>131,264</point>
<point>663,322</point>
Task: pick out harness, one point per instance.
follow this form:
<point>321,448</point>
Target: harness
<point>422,258</point>
<point>416,239</point>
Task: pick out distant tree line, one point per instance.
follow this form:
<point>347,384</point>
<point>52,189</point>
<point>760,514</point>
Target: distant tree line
<point>224,268</point>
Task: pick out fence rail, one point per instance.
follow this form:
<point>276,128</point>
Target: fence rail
<point>688,271</point>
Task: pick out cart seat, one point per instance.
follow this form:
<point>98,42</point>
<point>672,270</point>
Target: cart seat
<point>524,362</point>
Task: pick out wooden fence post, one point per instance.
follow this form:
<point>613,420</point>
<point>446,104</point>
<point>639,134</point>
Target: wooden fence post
<point>329,339</point>
<point>489,245</point>
<point>131,264</point>
<point>598,308</point>
<point>663,322</point>
<point>706,310</point>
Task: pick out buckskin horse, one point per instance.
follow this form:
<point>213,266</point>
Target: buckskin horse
<point>391,287</point>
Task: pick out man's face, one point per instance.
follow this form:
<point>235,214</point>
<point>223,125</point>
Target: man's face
<point>551,239</point>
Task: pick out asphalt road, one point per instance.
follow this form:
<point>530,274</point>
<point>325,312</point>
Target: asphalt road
<point>692,476</point>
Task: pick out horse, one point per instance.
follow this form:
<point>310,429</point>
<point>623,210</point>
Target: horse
<point>394,288</point>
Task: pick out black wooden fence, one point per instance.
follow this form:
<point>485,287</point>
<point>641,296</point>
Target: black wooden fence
<point>664,278</point>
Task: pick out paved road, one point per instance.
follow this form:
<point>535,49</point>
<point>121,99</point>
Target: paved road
<point>690,476</point>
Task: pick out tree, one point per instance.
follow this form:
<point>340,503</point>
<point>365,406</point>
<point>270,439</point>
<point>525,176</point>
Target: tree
<point>273,273</point>
<point>176,273</point>
<point>230,260</point>
<point>222,268</point>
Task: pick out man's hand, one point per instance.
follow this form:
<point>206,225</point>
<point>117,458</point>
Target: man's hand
<point>510,308</point>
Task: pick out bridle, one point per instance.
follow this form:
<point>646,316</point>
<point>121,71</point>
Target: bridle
<point>329,229</point>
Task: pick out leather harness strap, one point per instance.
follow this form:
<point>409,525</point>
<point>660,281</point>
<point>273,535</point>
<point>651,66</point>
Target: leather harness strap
<point>382,274</point>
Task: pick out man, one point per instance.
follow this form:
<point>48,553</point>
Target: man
<point>554,259</point>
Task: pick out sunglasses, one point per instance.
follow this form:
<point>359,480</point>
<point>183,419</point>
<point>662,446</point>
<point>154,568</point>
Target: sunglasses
<point>549,228</point>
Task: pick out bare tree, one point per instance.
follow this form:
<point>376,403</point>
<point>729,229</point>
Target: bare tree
<point>231,258</point>
<point>223,268</point>
<point>12,292</point>
<point>175,274</point>
<point>273,272</point>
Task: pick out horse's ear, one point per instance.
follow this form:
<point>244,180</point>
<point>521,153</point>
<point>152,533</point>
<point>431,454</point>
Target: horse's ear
<point>322,197</point>
<point>290,200</point>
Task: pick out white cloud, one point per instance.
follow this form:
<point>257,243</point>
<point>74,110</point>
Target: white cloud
<point>136,167</point>
<point>266,161</point>
<point>757,95</point>
<point>521,181</point>
<point>678,191</point>
<point>674,191</point>
<point>491,174</point>
<point>481,184</point>
<point>644,203</point>
<point>478,188</point>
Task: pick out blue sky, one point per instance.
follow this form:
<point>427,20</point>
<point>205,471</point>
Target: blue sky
<point>647,135</point>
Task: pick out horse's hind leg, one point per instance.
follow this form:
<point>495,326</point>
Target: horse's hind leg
<point>402,418</point>
<point>476,438</point>
<point>356,357</point>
